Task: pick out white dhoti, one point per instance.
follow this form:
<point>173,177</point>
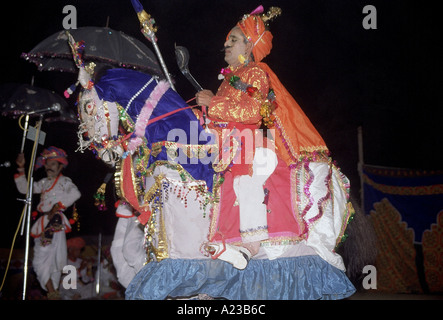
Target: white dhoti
<point>250,196</point>
<point>49,260</point>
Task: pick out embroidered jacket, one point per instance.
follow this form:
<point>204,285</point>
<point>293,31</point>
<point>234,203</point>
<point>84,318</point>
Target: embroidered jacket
<point>235,117</point>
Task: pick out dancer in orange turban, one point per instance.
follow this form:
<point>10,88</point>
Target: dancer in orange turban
<point>300,196</point>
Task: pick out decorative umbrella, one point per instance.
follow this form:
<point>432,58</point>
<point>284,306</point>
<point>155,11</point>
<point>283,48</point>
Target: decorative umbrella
<point>19,99</point>
<point>103,46</point>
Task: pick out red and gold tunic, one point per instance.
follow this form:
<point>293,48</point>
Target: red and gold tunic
<point>236,113</point>
<point>234,105</point>
<point>232,108</point>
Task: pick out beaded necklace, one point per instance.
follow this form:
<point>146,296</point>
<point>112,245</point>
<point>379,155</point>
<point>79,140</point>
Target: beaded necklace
<point>53,184</point>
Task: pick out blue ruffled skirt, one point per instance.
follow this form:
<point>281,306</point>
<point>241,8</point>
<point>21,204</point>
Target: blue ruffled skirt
<point>296,278</point>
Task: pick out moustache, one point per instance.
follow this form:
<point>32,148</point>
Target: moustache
<point>224,49</point>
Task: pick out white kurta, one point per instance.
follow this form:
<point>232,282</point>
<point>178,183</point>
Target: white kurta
<point>64,191</point>
<point>49,260</point>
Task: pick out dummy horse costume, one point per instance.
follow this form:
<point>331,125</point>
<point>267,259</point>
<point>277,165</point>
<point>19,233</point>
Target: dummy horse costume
<point>167,174</point>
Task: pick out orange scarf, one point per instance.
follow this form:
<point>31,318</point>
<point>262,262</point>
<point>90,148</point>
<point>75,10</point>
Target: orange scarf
<point>298,137</point>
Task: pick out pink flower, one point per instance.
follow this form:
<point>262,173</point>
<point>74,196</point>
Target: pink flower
<point>225,71</point>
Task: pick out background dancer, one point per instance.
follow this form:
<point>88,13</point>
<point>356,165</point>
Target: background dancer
<point>58,192</point>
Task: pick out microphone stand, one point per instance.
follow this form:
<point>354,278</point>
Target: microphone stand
<point>28,203</point>
<point>25,131</point>
<point>22,149</point>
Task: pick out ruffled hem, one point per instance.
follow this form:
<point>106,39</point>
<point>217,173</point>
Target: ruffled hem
<point>296,278</point>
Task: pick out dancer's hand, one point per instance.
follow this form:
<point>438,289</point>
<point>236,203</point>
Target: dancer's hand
<point>204,97</point>
<point>20,160</point>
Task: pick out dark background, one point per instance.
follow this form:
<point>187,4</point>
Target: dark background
<point>386,80</point>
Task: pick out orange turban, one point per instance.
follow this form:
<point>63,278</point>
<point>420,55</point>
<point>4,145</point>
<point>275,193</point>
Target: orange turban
<point>254,29</point>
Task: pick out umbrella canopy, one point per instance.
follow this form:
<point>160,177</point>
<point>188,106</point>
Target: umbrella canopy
<point>103,45</point>
<point>18,99</point>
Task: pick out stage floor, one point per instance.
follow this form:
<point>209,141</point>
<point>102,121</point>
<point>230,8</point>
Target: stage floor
<point>376,295</point>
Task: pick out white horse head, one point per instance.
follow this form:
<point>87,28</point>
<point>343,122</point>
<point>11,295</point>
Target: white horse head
<point>98,129</point>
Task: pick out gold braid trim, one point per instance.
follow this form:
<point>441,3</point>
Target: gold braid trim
<point>118,178</point>
<point>191,150</point>
<point>156,224</point>
<point>405,191</point>
<point>154,190</point>
<point>161,251</point>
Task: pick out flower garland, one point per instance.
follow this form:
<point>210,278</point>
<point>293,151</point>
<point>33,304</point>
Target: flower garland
<point>269,103</point>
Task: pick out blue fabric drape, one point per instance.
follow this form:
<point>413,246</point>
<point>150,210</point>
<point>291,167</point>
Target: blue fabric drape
<point>416,194</point>
<point>296,278</point>
<point>121,85</point>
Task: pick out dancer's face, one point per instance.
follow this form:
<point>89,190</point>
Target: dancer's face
<point>53,168</point>
<point>236,45</point>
